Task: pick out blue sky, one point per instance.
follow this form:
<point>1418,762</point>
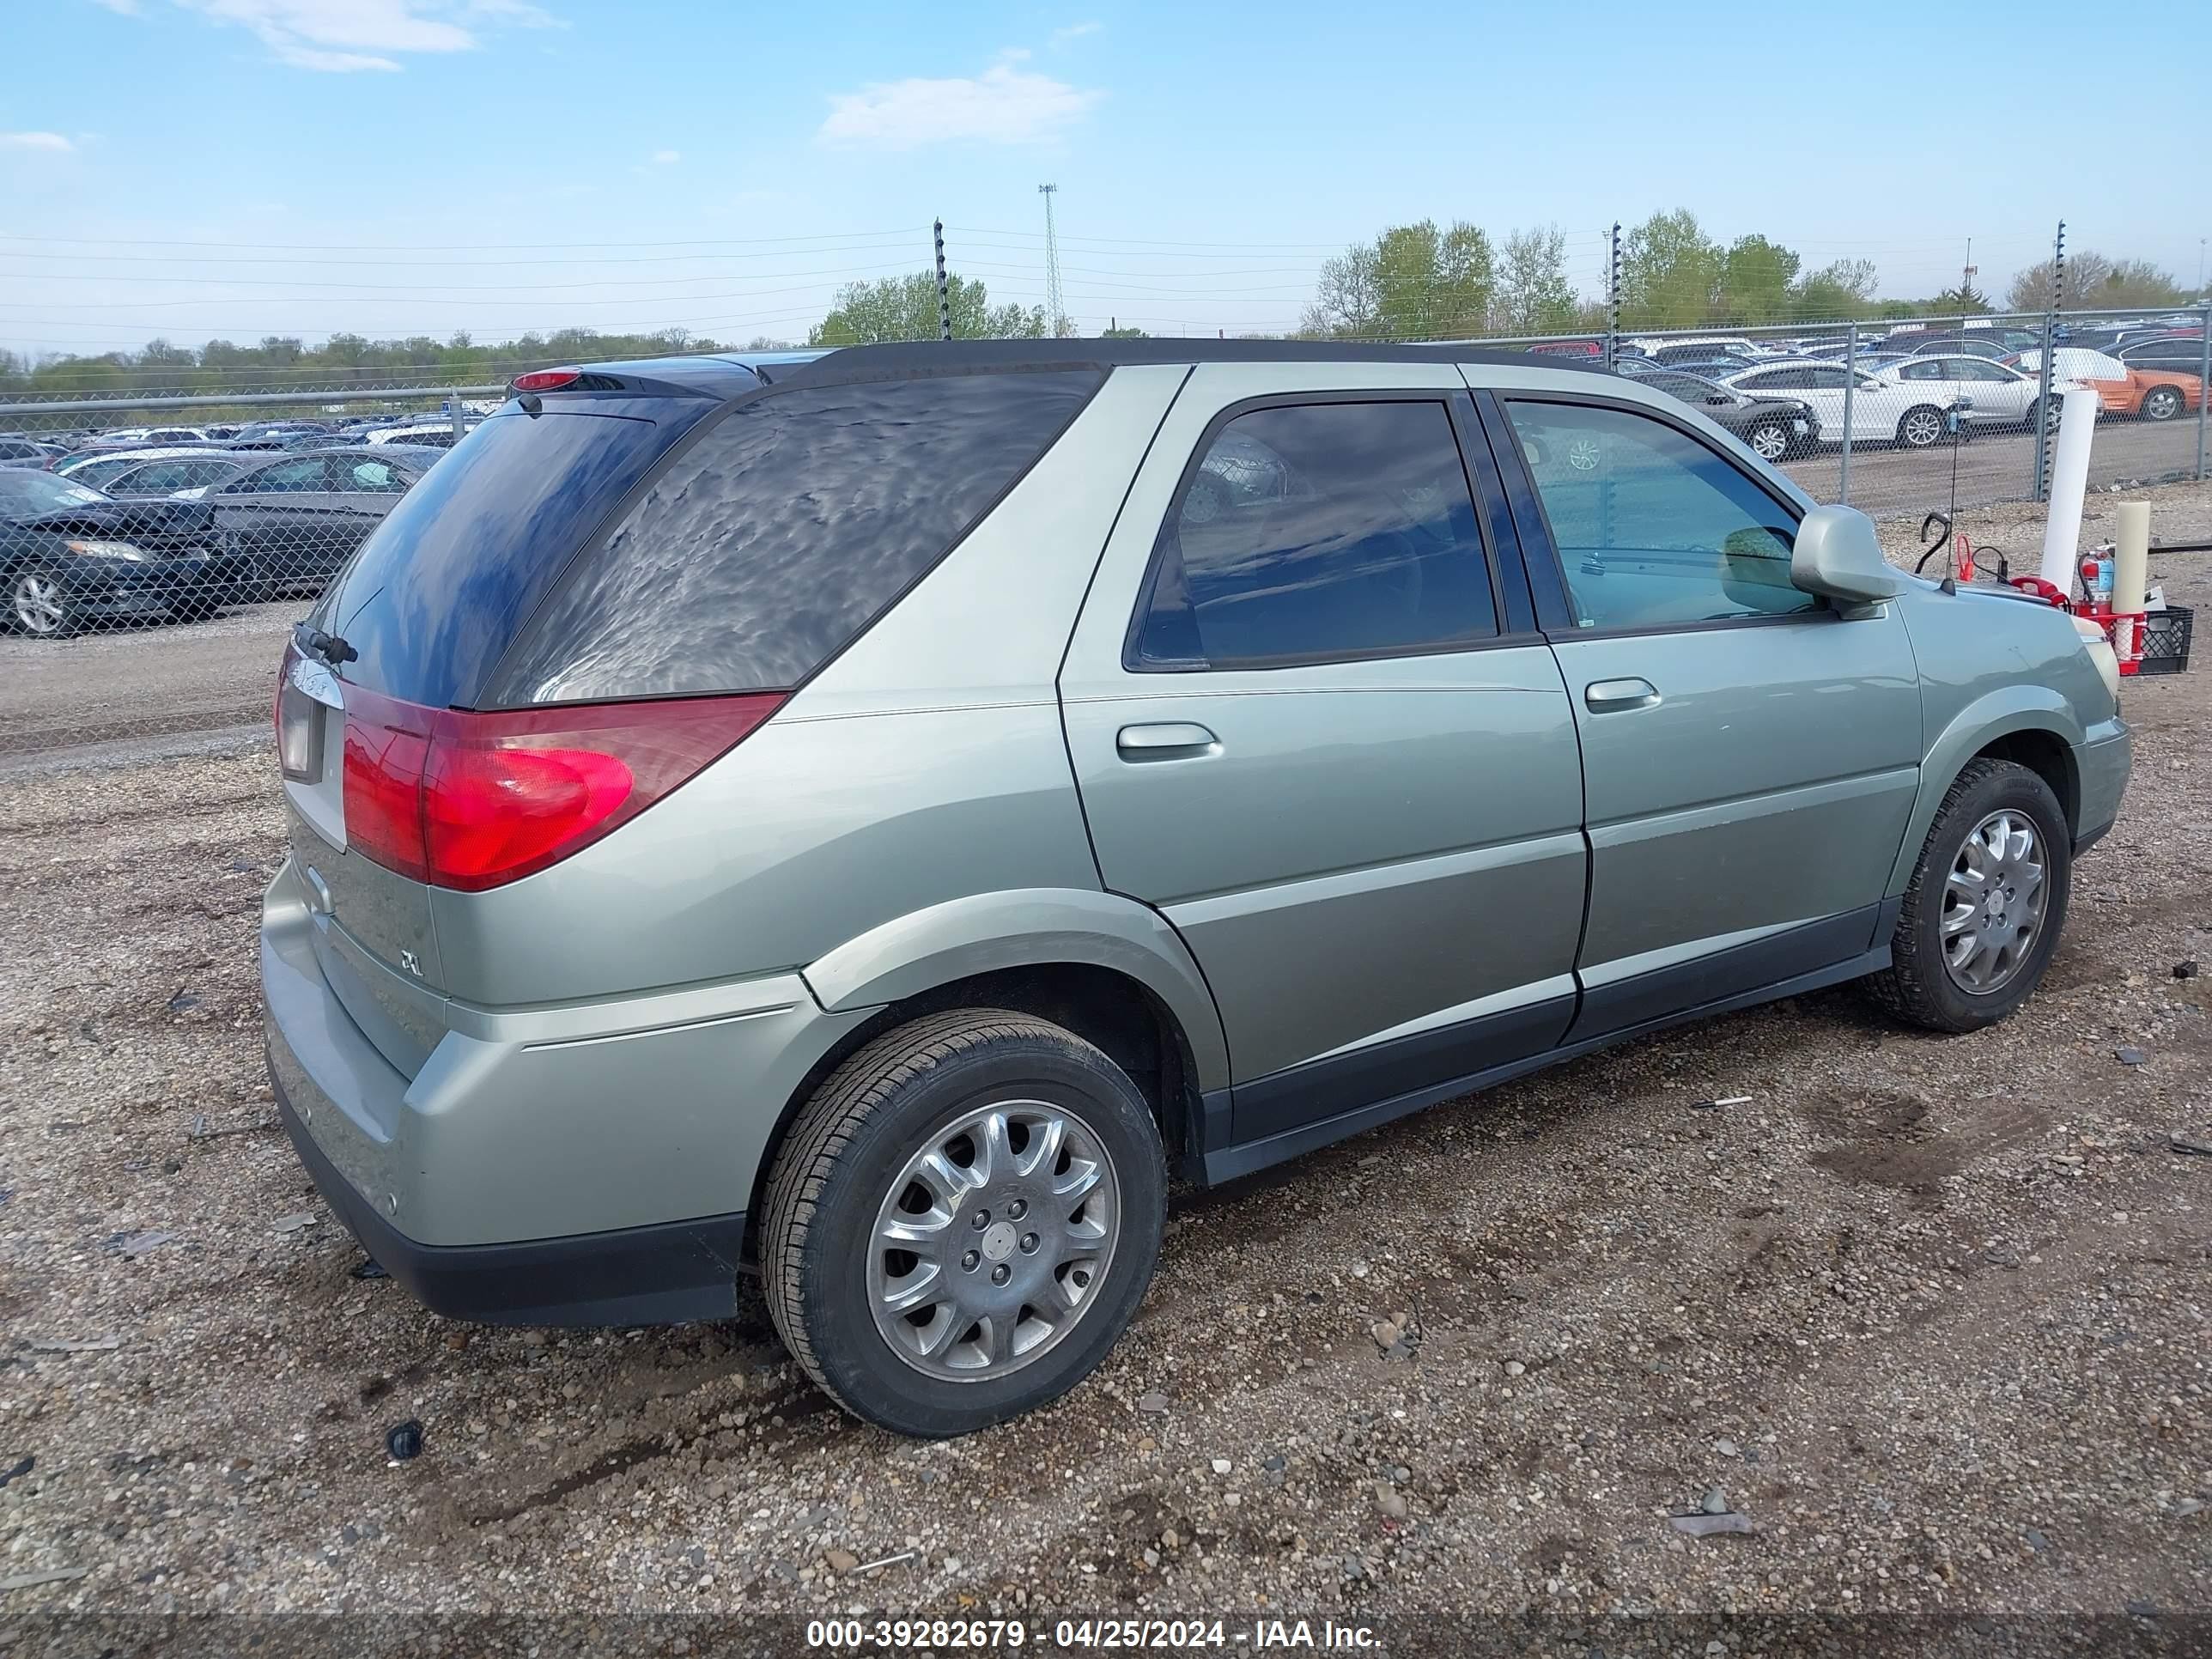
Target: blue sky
<point>235,167</point>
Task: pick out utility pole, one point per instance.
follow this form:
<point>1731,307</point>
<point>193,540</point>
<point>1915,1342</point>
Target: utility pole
<point>944,288</point>
<point>1966,281</point>
<point>1055,307</point>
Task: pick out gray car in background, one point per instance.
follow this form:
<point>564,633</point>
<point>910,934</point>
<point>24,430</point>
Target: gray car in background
<point>868,820</point>
<point>295,518</point>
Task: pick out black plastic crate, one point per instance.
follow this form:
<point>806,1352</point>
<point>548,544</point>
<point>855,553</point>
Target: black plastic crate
<point>2166,640</point>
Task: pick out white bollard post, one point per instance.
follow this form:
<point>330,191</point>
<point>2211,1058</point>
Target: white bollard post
<point>2131,576</point>
<point>2070,483</point>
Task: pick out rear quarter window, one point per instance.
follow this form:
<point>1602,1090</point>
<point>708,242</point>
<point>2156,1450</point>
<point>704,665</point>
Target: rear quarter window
<point>775,536</point>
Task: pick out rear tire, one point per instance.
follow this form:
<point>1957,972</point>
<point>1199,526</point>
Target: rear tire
<point>1946,913</point>
<point>1004,1303</point>
<point>1770,440</point>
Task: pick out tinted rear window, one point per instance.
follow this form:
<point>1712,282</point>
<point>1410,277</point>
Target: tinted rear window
<point>437,591</point>
<point>773,540</point>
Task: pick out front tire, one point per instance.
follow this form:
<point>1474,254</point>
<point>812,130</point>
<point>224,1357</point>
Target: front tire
<point>2161,403</point>
<point>1921,427</point>
<point>1983,913</point>
<point>961,1221</point>
<point>38,603</point>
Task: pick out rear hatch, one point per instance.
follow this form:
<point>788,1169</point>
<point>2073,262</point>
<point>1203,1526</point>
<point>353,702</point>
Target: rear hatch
<point>587,602</point>
<point>424,610</point>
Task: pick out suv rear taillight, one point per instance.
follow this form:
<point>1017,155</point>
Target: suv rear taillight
<point>472,800</point>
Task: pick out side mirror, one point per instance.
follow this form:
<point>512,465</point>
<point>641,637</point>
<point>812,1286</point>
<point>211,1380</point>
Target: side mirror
<point>1837,556</point>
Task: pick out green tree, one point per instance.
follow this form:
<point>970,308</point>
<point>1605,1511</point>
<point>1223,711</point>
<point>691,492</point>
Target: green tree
<point>1670,272</point>
<point>1118,332</point>
<point>905,308</point>
<point>1964,300</point>
<point>1533,294</point>
<point>1412,283</point>
<point>1757,276</point>
<point>1835,292</point>
<point>2136,282</point>
<point>2086,272</point>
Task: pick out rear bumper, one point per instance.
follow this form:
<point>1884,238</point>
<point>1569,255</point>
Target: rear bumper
<point>579,1164</point>
<point>664,1274</point>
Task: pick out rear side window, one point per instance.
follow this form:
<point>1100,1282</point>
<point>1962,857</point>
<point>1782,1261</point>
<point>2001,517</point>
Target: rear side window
<point>779,535</point>
<point>1318,532</point>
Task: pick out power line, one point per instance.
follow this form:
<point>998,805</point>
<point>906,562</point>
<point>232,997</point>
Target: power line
<point>452,247</point>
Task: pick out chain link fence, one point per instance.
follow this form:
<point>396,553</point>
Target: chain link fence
<point>196,524</point>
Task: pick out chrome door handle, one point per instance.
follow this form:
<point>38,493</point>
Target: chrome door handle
<point>1166,740</point>
<point>1612,696</point>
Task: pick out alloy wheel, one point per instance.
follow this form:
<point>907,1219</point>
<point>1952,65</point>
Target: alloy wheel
<point>1769,443</point>
<point>36,603</point>
<point>2161,403</point>
<point>1993,903</point>
<point>1921,428</point>
<point>993,1241</point>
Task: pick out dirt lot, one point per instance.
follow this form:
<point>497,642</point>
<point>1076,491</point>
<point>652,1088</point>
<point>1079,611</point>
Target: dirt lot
<point>1931,1314</point>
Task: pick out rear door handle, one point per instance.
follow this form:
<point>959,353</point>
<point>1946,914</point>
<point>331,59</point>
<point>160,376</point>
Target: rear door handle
<point>1166,740</point>
<point>1612,696</point>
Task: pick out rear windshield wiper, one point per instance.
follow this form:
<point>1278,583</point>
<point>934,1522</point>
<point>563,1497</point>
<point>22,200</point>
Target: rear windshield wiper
<point>317,643</point>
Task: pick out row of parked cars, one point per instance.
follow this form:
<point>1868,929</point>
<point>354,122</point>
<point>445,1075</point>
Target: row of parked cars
<point>183,533</point>
<point>53,450</point>
<point>1914,387</point>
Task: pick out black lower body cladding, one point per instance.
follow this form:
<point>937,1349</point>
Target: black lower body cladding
<point>667,1275</point>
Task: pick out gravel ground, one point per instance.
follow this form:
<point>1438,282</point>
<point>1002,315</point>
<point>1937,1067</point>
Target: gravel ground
<point>1930,1313</point>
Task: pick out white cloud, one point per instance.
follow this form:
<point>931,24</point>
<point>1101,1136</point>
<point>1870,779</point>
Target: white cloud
<point>348,36</point>
<point>1004,105</point>
<point>1075,32</point>
<point>46,141</point>
<point>667,158</point>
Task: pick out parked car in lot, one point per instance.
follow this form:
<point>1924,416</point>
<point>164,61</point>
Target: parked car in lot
<point>436,433</point>
<point>1694,356</point>
<point>173,474</point>
<point>1774,427</point>
<point>1880,411</point>
<point>132,437</point>
<point>295,519</point>
<point>2149,391</point>
<point>867,826</point>
<point>1986,394</point>
<point>25,451</point>
<point>98,470</point>
<point>1987,342</point>
<point>70,555</point>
